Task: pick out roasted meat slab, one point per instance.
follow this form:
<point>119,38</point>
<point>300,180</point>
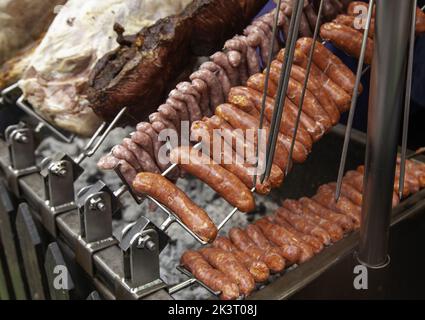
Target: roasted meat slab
<point>138,73</point>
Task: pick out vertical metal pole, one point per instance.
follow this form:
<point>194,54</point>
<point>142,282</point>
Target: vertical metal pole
<point>392,26</point>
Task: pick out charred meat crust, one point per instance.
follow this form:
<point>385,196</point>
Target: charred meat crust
<point>137,75</point>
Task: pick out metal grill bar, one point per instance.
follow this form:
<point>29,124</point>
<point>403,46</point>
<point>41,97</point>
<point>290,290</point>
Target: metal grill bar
<point>283,87</point>
<point>353,103</point>
<point>307,75</point>
<point>407,101</point>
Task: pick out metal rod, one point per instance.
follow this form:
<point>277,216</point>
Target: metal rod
<point>118,117</point>
<point>24,107</point>
<point>353,103</point>
<point>417,153</point>
<point>90,143</point>
<point>307,75</point>
<point>283,87</point>
<point>181,286</point>
<point>393,21</point>
<point>266,85</point>
<point>407,102</point>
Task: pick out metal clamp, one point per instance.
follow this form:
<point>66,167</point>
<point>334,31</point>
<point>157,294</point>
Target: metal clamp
<point>141,245</point>
<point>96,206</point>
<point>21,144</point>
<point>59,174</point>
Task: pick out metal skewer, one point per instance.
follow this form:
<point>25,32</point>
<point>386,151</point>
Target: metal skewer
<point>283,87</point>
<point>266,85</point>
<point>407,102</point>
<point>353,103</point>
<point>307,75</point>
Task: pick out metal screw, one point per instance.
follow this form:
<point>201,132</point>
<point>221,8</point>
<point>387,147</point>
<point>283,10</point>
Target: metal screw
<point>58,168</point>
<point>146,242</point>
<point>21,138</point>
<point>97,204</point>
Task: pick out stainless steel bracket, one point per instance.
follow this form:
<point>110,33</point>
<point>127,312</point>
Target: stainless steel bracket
<point>59,174</point>
<point>141,245</point>
<point>96,205</point>
<point>21,145</point>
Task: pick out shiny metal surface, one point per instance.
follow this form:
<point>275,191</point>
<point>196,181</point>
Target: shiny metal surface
<point>388,81</point>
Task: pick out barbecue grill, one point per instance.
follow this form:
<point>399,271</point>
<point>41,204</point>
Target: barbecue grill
<point>46,221</point>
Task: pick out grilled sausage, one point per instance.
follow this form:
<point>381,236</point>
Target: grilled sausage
<point>330,64</point>
<point>335,232</point>
<point>293,214</point>
<point>249,99</point>
<point>298,74</point>
<point>257,236</point>
<point>349,192</point>
<point>145,160</point>
<point>176,200</point>
<point>219,179</point>
<point>350,21</point>
<point>221,59</point>
<point>326,197</point>
<point>258,269</point>
<point>230,266</point>
<point>337,93</point>
<point>241,240</point>
<point>244,121</point>
<point>240,119</point>
<point>343,221</point>
<point>281,237</point>
<point>355,179</point>
<point>240,169</point>
<point>314,243</point>
<point>213,278</point>
<point>347,39</point>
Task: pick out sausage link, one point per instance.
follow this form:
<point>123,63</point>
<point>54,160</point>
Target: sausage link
<point>257,236</point>
<point>144,141</point>
<point>349,21</point>
<point>281,237</point>
<point>238,45</point>
<point>326,197</point>
<point>258,269</point>
<point>180,107</point>
<point>169,113</point>
<point>221,75</point>
<point>168,194</point>
<point>219,179</point>
<point>349,192</point>
<point>222,60</point>
<point>230,266</point>
<point>215,89</point>
<point>335,232</point>
<point>347,39</point>
<point>342,220</point>
<point>204,102</point>
<point>298,74</point>
<point>330,64</point>
<point>213,278</point>
<point>192,106</point>
<point>146,163</point>
<point>240,169</point>
<point>308,239</point>
<point>294,215</point>
<point>163,164</point>
<point>122,153</point>
<point>241,240</point>
<point>251,101</point>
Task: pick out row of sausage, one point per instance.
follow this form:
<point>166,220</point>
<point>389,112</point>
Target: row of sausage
<point>208,87</point>
<point>233,265</point>
<point>346,30</point>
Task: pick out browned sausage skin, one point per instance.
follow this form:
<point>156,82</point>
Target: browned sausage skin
<point>168,194</point>
<point>230,266</point>
<point>213,278</point>
<point>222,181</point>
